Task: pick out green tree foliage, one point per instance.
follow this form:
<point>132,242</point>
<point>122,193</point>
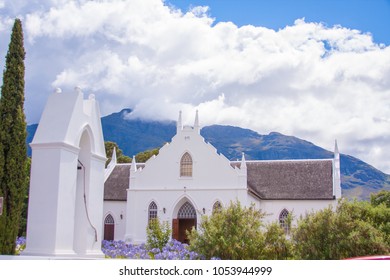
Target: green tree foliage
<point>144,156</point>
<point>380,197</point>
<point>13,150</point>
<point>353,229</point>
<point>23,221</point>
<point>158,234</point>
<point>238,233</point>
<point>377,215</point>
<point>120,157</point>
<point>276,244</point>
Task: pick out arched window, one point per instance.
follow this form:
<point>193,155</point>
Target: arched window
<point>186,165</point>
<point>186,211</point>
<point>109,227</point>
<point>109,220</point>
<point>217,206</point>
<point>283,220</point>
<point>152,211</point>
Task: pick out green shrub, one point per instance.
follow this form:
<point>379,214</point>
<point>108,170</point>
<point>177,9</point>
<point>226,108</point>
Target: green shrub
<point>353,229</point>
<point>381,197</point>
<point>276,244</point>
<point>158,234</point>
<point>238,233</point>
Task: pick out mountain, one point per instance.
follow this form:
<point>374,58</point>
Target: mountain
<point>134,136</point>
<point>358,179</point>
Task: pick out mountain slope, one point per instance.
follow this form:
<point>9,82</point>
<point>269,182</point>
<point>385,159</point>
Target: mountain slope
<point>134,136</point>
<point>358,178</point>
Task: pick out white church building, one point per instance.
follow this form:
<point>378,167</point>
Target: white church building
<point>189,178</point>
<point>75,202</point>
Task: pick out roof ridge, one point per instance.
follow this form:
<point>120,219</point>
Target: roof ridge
<point>284,160</point>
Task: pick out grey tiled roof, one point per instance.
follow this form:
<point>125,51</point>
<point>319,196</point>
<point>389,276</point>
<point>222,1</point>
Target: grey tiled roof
<point>117,183</point>
<point>292,179</point>
<point>268,180</point>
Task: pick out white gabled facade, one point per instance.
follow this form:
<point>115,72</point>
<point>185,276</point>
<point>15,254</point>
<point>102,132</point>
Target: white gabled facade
<point>160,181</point>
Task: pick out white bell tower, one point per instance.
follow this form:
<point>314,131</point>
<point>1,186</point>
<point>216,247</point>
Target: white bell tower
<point>67,179</point>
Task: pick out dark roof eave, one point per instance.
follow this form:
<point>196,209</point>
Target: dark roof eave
<point>254,193</point>
<point>257,195</point>
<point>316,198</point>
<point>114,199</point>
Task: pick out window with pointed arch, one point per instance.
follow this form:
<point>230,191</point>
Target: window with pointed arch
<point>186,211</point>
<point>283,220</point>
<point>217,207</point>
<point>186,165</point>
<point>152,211</point>
<point>109,227</point>
<point>109,220</point>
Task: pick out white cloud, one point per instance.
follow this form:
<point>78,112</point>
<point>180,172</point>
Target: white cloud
<point>308,80</point>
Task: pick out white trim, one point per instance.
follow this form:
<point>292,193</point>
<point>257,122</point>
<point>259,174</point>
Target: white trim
<point>55,145</point>
<point>179,203</point>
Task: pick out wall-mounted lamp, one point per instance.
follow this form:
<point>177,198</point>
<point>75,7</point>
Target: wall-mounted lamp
<point>121,215</point>
<point>204,210</point>
<point>164,210</point>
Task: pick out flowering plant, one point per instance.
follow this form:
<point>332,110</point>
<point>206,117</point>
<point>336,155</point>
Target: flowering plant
<point>20,245</point>
<point>173,250</point>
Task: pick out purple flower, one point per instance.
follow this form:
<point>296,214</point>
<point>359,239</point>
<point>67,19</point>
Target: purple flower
<point>173,250</point>
<point>20,244</point>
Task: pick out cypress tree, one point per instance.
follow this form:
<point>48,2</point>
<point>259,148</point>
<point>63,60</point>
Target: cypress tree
<point>13,154</point>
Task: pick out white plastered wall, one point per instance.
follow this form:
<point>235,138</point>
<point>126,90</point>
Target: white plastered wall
<point>67,165</point>
<point>297,208</point>
<point>117,209</point>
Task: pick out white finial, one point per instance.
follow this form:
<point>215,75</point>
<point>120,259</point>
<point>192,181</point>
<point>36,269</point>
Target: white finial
<point>196,124</point>
<point>91,96</point>
<point>133,165</point>
<point>57,90</point>
<point>336,151</point>
<point>113,157</point>
<point>179,123</point>
<point>111,165</point>
<point>336,172</point>
<point>243,161</point>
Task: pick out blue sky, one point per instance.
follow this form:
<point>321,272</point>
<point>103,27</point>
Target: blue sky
<point>366,15</point>
<point>317,70</point>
